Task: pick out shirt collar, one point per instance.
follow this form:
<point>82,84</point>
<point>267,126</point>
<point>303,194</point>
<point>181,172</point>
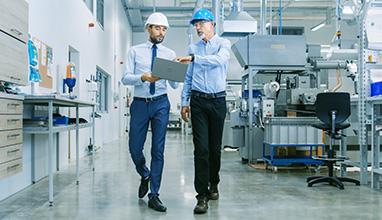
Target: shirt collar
<point>211,41</point>
<point>150,44</point>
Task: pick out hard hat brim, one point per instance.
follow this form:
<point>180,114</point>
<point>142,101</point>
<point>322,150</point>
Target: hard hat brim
<point>197,20</point>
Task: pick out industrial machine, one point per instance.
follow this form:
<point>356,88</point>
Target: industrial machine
<point>282,76</point>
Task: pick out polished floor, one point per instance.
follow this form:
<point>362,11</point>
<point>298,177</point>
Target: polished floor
<point>245,193</point>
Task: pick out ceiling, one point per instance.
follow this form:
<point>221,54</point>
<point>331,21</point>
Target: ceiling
<point>179,12</point>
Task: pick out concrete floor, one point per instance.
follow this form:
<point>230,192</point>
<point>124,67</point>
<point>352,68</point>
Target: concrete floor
<point>111,191</point>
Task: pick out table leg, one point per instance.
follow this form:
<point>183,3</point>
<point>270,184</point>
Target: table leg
<point>93,137</point>
<point>77,145</point>
<point>50,156</point>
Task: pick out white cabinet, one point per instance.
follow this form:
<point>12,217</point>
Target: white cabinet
<point>11,168</point>
<point>10,122</point>
<point>11,152</point>
<point>14,18</point>
<point>11,134</point>
<point>11,137</point>
<point>13,60</point>
<point>11,106</point>
<point>13,41</point>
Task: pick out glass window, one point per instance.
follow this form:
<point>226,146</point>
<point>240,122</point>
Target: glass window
<point>100,12</point>
<point>89,3</point>
<point>102,97</point>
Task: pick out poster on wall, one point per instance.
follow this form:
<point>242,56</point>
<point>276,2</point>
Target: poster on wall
<point>45,60</point>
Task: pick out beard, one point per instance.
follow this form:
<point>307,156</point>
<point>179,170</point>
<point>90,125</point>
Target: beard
<point>201,35</point>
<point>156,40</point>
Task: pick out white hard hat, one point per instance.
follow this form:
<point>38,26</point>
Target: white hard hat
<point>157,18</point>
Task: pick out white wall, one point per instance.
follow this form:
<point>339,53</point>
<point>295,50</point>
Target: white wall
<point>60,24</point>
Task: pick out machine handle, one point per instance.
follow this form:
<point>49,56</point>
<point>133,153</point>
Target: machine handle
<point>12,136</point>
<point>13,167</point>
<point>17,32</point>
<point>13,105</point>
<point>13,151</point>
<point>13,121</point>
<point>15,78</point>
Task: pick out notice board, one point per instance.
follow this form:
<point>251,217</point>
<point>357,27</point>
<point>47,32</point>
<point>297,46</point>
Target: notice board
<point>45,61</point>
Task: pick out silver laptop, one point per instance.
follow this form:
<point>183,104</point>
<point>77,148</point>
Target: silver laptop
<point>170,70</point>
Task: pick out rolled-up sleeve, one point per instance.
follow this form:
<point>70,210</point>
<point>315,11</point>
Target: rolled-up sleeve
<point>218,59</point>
<point>187,83</point>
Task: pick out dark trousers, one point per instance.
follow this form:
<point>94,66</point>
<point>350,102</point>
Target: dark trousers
<point>207,118</point>
<point>143,113</point>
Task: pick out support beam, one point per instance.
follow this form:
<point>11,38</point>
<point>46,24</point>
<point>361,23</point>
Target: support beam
<point>216,11</point>
<point>263,17</point>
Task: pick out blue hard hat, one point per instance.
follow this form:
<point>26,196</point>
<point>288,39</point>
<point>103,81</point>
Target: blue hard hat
<point>202,14</point>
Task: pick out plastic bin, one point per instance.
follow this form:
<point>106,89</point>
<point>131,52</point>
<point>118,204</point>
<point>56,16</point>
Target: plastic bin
<point>292,131</point>
<point>63,120</point>
<point>376,88</point>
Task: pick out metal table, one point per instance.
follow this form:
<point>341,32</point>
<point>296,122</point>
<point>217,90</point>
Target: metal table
<point>59,101</point>
<point>376,170</point>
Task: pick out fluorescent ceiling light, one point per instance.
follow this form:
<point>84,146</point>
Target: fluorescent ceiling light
<point>320,25</point>
<point>347,10</point>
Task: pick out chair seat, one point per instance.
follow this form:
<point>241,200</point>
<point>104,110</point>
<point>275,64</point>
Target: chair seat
<point>323,126</point>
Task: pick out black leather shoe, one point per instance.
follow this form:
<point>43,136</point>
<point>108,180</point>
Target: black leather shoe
<point>144,187</point>
<point>202,205</point>
<point>156,204</point>
<point>213,193</point>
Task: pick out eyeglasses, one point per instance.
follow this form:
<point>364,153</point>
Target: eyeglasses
<point>200,23</point>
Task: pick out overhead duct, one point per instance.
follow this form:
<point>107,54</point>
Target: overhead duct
<point>239,23</point>
<point>134,14</point>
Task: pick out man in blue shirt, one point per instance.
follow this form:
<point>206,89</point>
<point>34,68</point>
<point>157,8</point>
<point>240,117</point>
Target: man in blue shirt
<point>150,105</point>
<point>204,92</point>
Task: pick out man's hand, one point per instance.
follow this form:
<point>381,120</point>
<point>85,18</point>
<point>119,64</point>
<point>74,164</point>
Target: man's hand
<point>149,77</point>
<point>185,113</point>
<point>186,59</point>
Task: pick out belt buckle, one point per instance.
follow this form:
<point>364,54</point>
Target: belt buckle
<point>148,99</point>
<point>209,96</point>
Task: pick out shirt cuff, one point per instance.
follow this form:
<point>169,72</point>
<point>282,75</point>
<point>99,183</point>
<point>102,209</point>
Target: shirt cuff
<point>138,80</point>
<point>185,103</point>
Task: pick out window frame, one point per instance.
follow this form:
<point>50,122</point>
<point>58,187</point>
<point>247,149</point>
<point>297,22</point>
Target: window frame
<point>103,90</point>
<point>100,20</point>
<point>90,7</point>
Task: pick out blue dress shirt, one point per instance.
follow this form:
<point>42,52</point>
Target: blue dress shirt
<point>208,72</point>
<point>138,61</point>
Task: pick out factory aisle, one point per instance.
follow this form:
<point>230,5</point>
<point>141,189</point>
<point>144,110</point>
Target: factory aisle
<point>245,193</point>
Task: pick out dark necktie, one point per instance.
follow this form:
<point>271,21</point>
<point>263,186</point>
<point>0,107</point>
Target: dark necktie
<point>154,54</point>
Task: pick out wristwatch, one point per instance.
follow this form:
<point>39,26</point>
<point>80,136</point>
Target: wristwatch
<point>192,57</point>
